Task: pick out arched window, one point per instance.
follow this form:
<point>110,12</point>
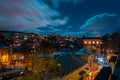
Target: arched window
<point>97,42</point>
<point>89,42</point>
<point>85,42</point>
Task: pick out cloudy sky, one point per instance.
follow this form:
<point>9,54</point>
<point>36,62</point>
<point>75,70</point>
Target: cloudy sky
<point>64,17</point>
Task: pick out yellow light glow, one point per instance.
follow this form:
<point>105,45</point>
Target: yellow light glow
<point>90,74</point>
<point>93,42</point>
<point>89,42</point>
<point>85,42</point>
<point>4,58</point>
<point>97,42</point>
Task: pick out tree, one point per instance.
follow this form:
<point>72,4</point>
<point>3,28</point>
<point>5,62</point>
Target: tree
<point>43,68</point>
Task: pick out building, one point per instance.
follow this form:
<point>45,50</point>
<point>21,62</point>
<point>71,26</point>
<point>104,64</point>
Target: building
<point>4,56</point>
<point>9,57</point>
<point>112,62</point>
<point>104,74</point>
<point>92,44</point>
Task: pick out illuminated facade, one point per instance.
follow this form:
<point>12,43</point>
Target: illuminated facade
<point>4,56</point>
<point>8,58</point>
<point>92,44</point>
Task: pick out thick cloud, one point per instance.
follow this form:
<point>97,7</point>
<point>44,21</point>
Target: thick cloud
<point>28,15</point>
<point>101,24</point>
<point>102,21</point>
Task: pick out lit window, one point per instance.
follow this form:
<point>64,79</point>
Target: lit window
<point>93,42</point>
<point>97,42</point>
<point>4,58</point>
<point>89,42</point>
<point>85,42</point>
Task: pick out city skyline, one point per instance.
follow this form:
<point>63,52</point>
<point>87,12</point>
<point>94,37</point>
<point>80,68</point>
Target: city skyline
<point>63,17</point>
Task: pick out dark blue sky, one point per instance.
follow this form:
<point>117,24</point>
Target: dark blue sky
<point>64,17</point>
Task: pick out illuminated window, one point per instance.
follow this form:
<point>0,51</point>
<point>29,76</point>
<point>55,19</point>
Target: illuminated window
<point>4,58</point>
<point>89,42</point>
<point>85,42</point>
<point>97,42</point>
<point>93,42</point>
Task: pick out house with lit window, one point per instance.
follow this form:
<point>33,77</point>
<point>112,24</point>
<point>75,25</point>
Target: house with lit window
<point>92,44</point>
<point>4,55</point>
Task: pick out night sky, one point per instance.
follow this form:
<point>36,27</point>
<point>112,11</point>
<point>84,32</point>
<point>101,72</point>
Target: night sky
<point>64,17</point>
